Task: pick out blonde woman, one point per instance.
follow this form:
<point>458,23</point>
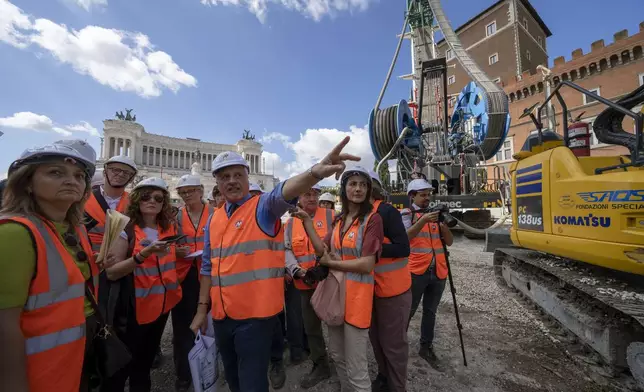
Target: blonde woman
<point>46,264</point>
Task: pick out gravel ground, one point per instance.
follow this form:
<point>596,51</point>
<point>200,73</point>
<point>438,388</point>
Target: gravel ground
<point>508,347</point>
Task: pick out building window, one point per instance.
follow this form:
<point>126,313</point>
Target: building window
<point>490,29</point>
<point>540,41</point>
<point>497,80</point>
<point>494,58</point>
<point>525,23</point>
<point>451,80</point>
<point>451,102</point>
<point>588,99</point>
<point>528,55</point>
<point>506,151</point>
<point>449,54</point>
<point>641,77</point>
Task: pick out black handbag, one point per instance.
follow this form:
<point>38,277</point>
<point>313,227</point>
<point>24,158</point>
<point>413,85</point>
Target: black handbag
<point>111,353</point>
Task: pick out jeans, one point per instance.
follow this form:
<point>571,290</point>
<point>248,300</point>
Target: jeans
<point>182,314</point>
<point>430,289</point>
<point>277,339</point>
<point>245,348</point>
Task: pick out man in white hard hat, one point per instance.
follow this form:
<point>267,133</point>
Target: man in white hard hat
<point>327,200</point>
<point>300,257</point>
<point>118,172</point>
<point>392,299</point>
<point>191,221</point>
<point>427,264</point>
<point>243,272</point>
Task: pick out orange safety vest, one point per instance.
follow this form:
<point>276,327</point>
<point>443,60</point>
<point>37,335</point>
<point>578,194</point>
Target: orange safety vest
<point>301,246</point>
<point>358,287</point>
<point>95,211</point>
<point>52,319</point>
<point>156,287</point>
<point>247,265</point>
<point>426,247</point>
<point>194,239</point>
<point>391,274</point>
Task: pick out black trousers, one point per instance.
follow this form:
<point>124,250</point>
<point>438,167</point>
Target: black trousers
<point>142,340</point>
<point>295,334</point>
<point>182,314</point>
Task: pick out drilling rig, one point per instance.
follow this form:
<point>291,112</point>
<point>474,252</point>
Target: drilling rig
<point>449,150</point>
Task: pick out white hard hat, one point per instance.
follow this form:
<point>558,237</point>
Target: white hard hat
<point>355,170</point>
<point>98,178</point>
<point>226,159</point>
<point>327,197</point>
<point>154,182</point>
<point>188,180</point>
<point>317,187</point>
<point>77,150</point>
<point>375,177</point>
<point>122,159</point>
<point>418,185</point>
<point>254,188</point>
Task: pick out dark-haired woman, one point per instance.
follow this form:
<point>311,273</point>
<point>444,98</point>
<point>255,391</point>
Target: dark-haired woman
<point>150,264</point>
<point>46,264</point>
<point>354,247</point>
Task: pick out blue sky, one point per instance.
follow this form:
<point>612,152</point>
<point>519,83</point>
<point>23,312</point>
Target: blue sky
<point>299,73</point>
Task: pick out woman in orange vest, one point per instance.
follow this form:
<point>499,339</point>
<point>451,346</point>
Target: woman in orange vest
<point>151,267</point>
<point>47,264</point>
<point>427,263</point>
<point>191,221</point>
<point>355,244</point>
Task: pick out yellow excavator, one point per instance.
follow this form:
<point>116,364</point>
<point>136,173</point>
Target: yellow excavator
<point>578,231</point>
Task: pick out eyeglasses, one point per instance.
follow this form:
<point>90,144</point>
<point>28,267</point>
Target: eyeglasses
<point>187,193</point>
<point>71,241</point>
<point>148,197</point>
<point>117,171</point>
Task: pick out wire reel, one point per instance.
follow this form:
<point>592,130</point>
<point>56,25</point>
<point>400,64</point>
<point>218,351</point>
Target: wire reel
<point>386,125</point>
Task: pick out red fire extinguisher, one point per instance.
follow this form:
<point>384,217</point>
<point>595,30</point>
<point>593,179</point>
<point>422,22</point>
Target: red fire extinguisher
<point>579,137</point>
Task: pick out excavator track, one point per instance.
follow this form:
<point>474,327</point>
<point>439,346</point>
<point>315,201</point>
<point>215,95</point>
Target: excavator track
<point>604,310</point>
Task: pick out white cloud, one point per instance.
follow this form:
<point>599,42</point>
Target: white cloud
<point>29,121</point>
<point>314,9</point>
<point>3,175</point>
<point>88,4</point>
<point>122,60</point>
<point>313,145</point>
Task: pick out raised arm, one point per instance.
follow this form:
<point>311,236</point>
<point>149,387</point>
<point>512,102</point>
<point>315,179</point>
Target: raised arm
<point>332,164</point>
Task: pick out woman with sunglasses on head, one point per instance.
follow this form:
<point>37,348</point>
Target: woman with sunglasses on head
<point>150,267</point>
<point>47,270</point>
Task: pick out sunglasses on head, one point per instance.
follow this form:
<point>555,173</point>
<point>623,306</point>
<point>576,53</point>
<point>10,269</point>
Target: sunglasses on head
<point>71,241</point>
<point>148,197</point>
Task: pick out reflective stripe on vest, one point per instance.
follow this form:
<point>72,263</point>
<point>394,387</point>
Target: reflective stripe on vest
<point>91,257</point>
<point>426,248</point>
<point>247,271</point>
<point>391,274</point>
<point>301,246</point>
<point>194,238</point>
<point>156,286</point>
<point>359,287</point>
<point>53,320</point>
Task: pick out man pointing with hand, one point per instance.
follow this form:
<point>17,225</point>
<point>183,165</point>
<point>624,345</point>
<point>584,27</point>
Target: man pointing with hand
<point>242,276</point>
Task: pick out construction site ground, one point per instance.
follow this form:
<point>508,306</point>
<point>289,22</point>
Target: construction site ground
<point>510,347</point>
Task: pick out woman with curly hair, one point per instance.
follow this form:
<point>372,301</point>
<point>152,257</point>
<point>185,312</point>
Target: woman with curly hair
<point>150,267</point>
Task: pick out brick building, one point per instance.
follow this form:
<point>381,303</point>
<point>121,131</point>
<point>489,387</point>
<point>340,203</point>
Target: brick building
<point>508,41</point>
